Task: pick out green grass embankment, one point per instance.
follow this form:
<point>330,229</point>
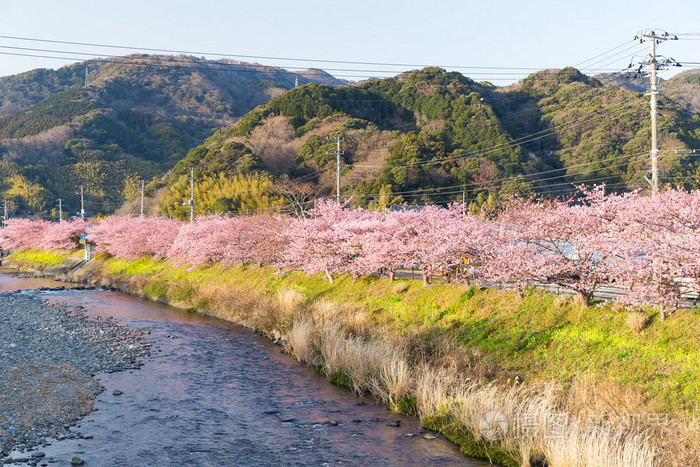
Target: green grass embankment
<point>598,362</point>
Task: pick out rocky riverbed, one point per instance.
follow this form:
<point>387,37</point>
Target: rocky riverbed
<point>48,357</point>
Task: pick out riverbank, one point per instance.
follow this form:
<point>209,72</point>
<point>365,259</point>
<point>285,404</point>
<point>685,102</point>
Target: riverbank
<point>49,356</point>
<point>595,386</point>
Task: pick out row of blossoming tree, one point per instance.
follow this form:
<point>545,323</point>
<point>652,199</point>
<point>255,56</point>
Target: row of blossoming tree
<point>649,246</point>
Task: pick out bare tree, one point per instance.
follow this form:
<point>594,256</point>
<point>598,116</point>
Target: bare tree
<point>298,195</point>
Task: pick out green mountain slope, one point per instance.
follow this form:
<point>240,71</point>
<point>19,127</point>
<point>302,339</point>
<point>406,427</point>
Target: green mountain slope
<point>137,118</point>
<point>428,136</point>
<point>684,89</point>
<point>600,132</point>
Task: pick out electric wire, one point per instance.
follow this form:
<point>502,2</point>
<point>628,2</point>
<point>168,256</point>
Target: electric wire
<point>491,184</point>
<point>262,57</point>
<point>251,68</point>
<point>507,145</point>
<point>624,44</point>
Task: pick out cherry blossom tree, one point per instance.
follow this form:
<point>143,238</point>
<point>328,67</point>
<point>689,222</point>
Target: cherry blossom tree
<point>133,237</point>
<point>62,235</point>
<point>648,245</point>
<point>229,241</point>
<point>20,234</point>
<point>572,243</point>
<point>320,243</point>
<point>430,238</point>
<point>662,234</point>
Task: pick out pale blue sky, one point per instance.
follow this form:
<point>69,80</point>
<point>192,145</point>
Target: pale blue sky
<point>485,33</point>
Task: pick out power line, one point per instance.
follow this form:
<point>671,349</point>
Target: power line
<point>251,67</point>
<point>624,44</point>
<point>493,183</point>
<point>263,57</point>
<point>458,189</point>
<point>511,144</point>
<point>356,71</point>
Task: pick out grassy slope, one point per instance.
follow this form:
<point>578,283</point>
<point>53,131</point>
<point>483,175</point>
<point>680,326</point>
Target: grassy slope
<point>496,333</point>
<point>538,336</point>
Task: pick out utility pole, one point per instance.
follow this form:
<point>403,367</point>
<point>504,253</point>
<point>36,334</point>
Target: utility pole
<point>464,203</point>
<point>655,63</point>
<point>337,153</point>
<point>82,204</point>
<point>60,210</point>
<point>192,196</point>
<point>142,191</point>
<point>4,215</point>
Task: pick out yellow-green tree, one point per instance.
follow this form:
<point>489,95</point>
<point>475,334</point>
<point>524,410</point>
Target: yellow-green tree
<point>25,194</point>
<point>240,193</point>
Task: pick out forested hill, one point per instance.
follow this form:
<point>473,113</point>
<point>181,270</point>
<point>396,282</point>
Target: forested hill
<point>428,136</point>
<point>138,116</point>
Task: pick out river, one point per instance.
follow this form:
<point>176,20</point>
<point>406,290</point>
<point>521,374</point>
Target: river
<point>215,394</point>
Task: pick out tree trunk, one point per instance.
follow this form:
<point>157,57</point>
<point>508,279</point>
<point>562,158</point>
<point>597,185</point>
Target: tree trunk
<point>426,278</point>
<point>585,299</point>
<point>585,302</point>
<point>329,276</point>
<point>392,276</point>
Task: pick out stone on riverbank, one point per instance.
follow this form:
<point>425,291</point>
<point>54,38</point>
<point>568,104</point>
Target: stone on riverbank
<point>45,377</point>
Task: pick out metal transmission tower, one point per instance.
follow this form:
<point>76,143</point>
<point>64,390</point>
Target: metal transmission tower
<point>86,76</point>
<point>655,63</point>
<point>337,153</point>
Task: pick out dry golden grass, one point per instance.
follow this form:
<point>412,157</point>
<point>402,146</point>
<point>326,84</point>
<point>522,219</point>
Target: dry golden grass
<point>637,321</point>
<point>590,398</point>
<point>431,388</point>
<point>584,445</point>
<point>289,303</point>
<point>579,302</point>
<point>562,301</point>
<point>401,287</point>
<point>395,378</point>
<point>325,312</point>
<point>299,339</point>
<point>531,425</point>
<point>533,422</point>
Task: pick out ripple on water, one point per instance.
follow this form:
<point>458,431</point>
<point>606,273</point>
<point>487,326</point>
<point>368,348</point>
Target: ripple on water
<point>216,394</point>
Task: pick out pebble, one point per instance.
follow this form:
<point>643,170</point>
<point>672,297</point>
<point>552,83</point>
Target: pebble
<point>76,461</point>
<point>117,392</point>
<point>428,436</point>
<point>42,343</point>
<point>393,423</point>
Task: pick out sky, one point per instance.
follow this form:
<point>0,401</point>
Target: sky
<point>487,40</point>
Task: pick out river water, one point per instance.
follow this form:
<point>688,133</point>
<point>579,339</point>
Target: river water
<point>215,394</point>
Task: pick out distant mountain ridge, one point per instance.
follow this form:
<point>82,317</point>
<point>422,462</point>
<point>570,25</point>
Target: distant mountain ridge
<point>428,136</point>
<point>424,136</point>
<point>138,116</point>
